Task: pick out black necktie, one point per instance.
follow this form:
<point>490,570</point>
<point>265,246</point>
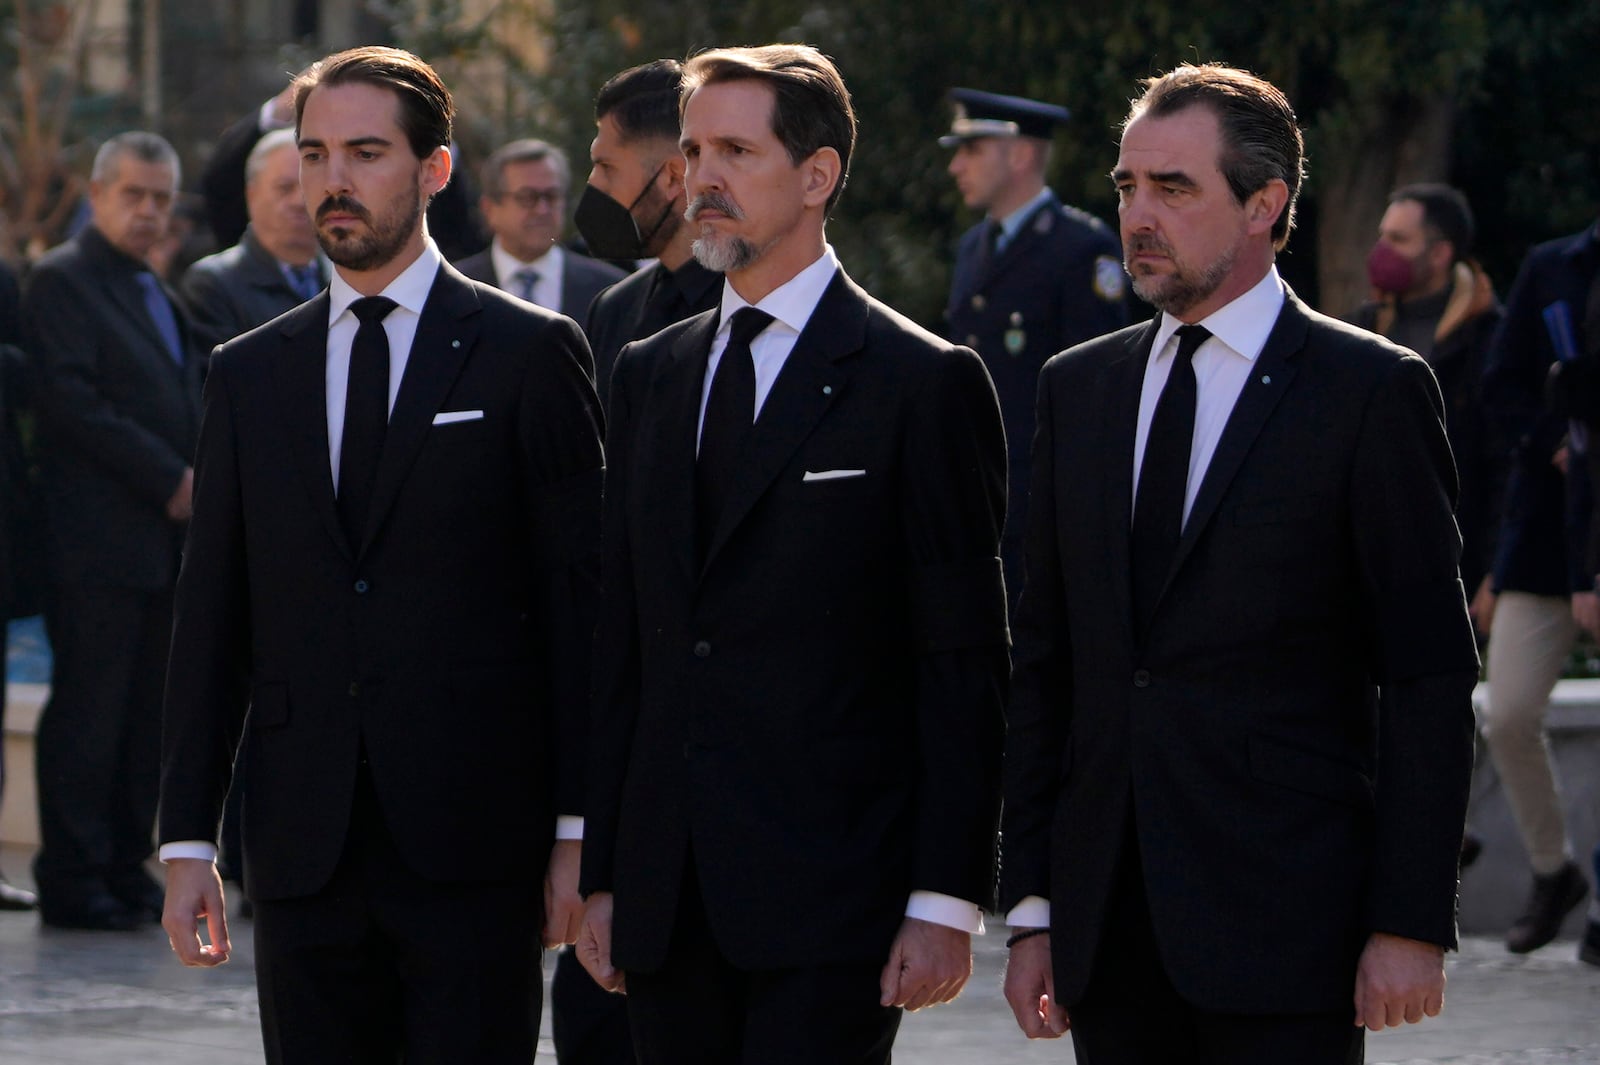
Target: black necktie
<point>366,415</point>
<point>730,411</point>
<point>663,306</point>
<point>1164,479</point>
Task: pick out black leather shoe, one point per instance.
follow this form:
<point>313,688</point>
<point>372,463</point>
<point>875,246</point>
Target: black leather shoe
<point>1589,945</point>
<point>1554,896</point>
<point>15,898</point>
<point>137,892</point>
<point>99,913</point>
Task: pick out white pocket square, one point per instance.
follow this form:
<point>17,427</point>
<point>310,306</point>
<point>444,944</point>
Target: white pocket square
<point>449,417</point>
<point>832,475</point>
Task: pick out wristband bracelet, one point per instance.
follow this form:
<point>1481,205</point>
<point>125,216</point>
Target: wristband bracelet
<point>1026,933</point>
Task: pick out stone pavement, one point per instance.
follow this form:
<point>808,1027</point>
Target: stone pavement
<point>80,998</point>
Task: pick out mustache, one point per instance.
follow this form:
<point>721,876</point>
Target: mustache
<point>712,201</point>
<point>1140,243</point>
<point>344,205</point>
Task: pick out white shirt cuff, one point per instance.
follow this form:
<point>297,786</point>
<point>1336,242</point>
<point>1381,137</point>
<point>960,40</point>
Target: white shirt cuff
<point>189,848</point>
<point>569,826</point>
<point>947,910</point>
<point>1031,912</point>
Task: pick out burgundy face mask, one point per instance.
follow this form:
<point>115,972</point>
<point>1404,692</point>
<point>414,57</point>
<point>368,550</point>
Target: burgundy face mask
<point>1388,270</point>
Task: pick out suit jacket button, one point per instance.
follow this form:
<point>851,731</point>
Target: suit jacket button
<point>979,303</point>
<point>1141,678</point>
<point>355,690</point>
<point>702,649</point>
<point>361,587</point>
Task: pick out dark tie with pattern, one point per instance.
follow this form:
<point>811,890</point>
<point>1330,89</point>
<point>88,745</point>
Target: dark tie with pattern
<point>1164,479</point>
<point>525,280</point>
<point>161,316</point>
<point>366,415</point>
<point>306,281</point>
<point>730,411</point>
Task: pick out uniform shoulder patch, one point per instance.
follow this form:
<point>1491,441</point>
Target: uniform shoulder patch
<point>1110,281</point>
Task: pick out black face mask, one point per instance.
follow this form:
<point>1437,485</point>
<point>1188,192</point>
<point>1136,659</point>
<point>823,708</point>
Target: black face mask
<point>608,228</point>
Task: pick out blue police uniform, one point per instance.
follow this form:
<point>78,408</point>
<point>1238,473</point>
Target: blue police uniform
<point>1051,281</point>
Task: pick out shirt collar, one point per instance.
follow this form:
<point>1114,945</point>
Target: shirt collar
<point>409,290</point>
<point>506,265</point>
<point>791,302</point>
<point>1013,221</point>
<point>1243,325</point>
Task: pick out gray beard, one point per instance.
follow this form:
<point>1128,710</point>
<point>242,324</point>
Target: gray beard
<point>1183,289</point>
<point>726,255</point>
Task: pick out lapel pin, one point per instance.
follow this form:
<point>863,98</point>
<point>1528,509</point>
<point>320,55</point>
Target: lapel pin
<point>1266,379</point>
<point>455,343</point>
<point>827,390</point>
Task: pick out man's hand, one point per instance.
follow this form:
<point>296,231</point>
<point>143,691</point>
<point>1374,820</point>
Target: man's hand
<point>181,506</point>
<point>928,964</point>
<point>1399,981</point>
<point>563,906</point>
<point>1586,612</point>
<point>1031,990</point>
<point>1482,606</point>
<point>194,890</point>
<point>594,944</point>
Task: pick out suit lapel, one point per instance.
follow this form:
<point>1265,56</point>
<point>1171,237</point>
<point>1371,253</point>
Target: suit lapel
<point>445,336</point>
<point>301,372</point>
<point>806,387</point>
<point>1123,379</point>
<point>669,487</point>
<point>1269,379</point>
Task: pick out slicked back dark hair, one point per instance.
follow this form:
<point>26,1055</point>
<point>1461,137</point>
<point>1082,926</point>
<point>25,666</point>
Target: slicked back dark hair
<point>643,101</point>
<point>1261,139</point>
<point>811,107</point>
<point>1445,212</point>
<point>427,112</point>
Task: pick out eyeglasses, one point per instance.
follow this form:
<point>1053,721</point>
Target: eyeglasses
<point>528,199</point>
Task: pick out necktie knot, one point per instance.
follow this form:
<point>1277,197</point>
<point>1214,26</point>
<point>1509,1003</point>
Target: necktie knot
<point>305,280</point>
<point>525,279</point>
<point>1190,337</point>
<point>372,309</point>
<point>746,324</point>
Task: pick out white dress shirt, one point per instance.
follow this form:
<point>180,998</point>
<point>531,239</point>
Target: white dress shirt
<point>1222,365</point>
<point>791,305</point>
<point>551,268</point>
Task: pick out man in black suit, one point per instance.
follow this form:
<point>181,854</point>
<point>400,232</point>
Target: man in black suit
<point>525,203</point>
<point>802,645</point>
<point>1240,736</point>
<point>119,406</point>
<point>274,267</point>
<point>632,208</point>
<point>393,561</point>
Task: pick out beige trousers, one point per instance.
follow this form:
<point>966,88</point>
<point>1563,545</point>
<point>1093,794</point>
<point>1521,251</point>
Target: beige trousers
<point>1529,643</point>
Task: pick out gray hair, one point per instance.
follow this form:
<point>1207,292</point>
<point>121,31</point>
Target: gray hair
<point>272,142</point>
<point>527,150</point>
<point>141,145</point>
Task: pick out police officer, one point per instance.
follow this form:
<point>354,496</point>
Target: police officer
<point>1031,279</point>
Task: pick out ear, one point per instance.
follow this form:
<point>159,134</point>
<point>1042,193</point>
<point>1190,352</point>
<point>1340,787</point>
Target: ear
<point>1441,253</point>
<point>1264,206</point>
<point>436,171</point>
<point>822,172</point>
<point>672,172</point>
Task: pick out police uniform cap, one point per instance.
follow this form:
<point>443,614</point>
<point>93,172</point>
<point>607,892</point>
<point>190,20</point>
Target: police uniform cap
<point>989,114</point>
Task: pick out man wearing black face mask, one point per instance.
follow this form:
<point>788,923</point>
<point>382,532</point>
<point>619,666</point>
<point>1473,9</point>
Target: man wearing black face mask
<point>632,208</point>
<point>1429,296</point>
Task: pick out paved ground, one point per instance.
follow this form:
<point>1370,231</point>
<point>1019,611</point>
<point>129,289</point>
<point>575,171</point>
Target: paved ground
<point>78,998</point>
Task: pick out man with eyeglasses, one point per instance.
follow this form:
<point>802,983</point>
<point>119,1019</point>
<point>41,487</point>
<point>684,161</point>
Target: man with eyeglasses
<point>525,203</point>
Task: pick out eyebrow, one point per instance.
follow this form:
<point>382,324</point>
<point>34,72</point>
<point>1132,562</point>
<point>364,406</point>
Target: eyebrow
<point>354,142</point>
<point>1165,177</point>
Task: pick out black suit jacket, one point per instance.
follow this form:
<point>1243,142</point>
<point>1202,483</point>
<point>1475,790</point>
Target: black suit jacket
<point>235,290</point>
<point>117,416</point>
<point>818,706</point>
<point>625,312</point>
<point>582,278</point>
<point>1295,735</point>
<point>449,647</point>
